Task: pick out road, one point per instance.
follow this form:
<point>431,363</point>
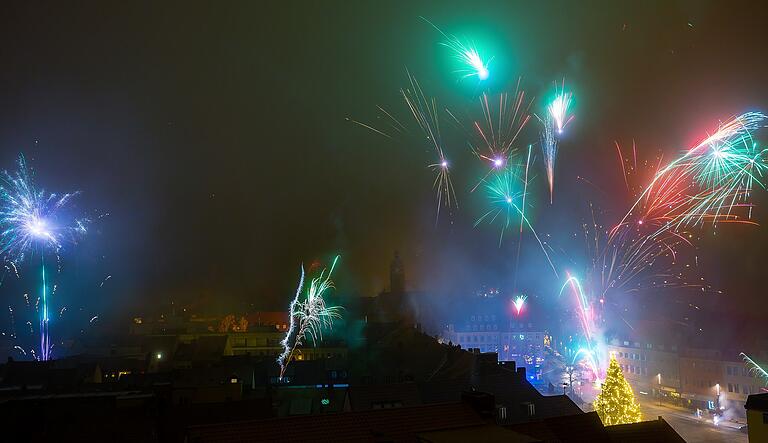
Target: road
<point>693,430</point>
<point>689,427</point>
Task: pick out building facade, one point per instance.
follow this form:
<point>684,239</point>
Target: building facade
<point>652,368</point>
<point>518,341</point>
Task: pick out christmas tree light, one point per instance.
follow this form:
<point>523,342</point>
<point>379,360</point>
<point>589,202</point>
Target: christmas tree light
<point>616,403</point>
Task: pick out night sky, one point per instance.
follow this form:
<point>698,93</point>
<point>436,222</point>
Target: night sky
<point>215,136</point>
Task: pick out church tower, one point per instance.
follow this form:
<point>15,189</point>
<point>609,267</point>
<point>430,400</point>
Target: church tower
<point>396,275</point>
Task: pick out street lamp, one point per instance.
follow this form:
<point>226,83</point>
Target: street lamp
<point>717,399</point>
<point>659,378</point>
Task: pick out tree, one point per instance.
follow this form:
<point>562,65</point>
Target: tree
<point>616,403</point>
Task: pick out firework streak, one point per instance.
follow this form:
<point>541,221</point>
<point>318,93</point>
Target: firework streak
<point>309,316</point>
<point>558,108</point>
<point>518,303</point>
<point>549,151</point>
<point>754,368</point>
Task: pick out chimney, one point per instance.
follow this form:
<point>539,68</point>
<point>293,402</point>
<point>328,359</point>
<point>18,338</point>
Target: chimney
<point>508,365</point>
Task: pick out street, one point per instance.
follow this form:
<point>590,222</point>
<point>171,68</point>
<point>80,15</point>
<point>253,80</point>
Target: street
<point>693,430</point>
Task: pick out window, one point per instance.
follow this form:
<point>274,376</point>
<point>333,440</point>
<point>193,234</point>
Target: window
<point>736,388</point>
<point>386,405</point>
<point>502,413</point>
<point>728,370</point>
<point>745,390</point>
<point>730,387</point>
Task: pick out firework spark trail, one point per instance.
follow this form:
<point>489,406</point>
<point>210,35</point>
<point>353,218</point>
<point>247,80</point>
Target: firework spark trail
<point>549,152</point>
<point>558,108</point>
<point>30,221</point>
<point>628,256</point>
<point>522,218</point>
<point>586,321</point>
<point>590,358</point>
<point>754,368</point>
<point>308,317</point>
<point>470,61</point>
<point>505,200</point>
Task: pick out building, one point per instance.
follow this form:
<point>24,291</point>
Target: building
<point>757,417</point>
<point>701,371</point>
<point>490,325</point>
<point>279,320</point>
<point>521,342</point>
<point>650,360</point>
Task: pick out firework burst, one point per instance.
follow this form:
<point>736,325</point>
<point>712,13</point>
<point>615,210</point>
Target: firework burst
<point>33,220</point>
<point>709,183</point>
<point>505,198</point>
<point>492,137</point>
<point>466,54</point>
<point>426,113</point>
<point>518,303</point>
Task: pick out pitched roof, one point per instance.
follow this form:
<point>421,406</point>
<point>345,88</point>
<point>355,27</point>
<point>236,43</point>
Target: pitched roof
<point>395,424</point>
<point>584,427</point>
<point>369,396</point>
<point>653,431</point>
<point>485,433</point>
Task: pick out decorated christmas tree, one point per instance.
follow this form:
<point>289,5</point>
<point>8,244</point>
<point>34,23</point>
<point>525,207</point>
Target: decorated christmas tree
<point>616,403</point>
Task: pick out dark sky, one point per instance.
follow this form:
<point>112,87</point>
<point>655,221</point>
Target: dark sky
<point>214,134</point>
